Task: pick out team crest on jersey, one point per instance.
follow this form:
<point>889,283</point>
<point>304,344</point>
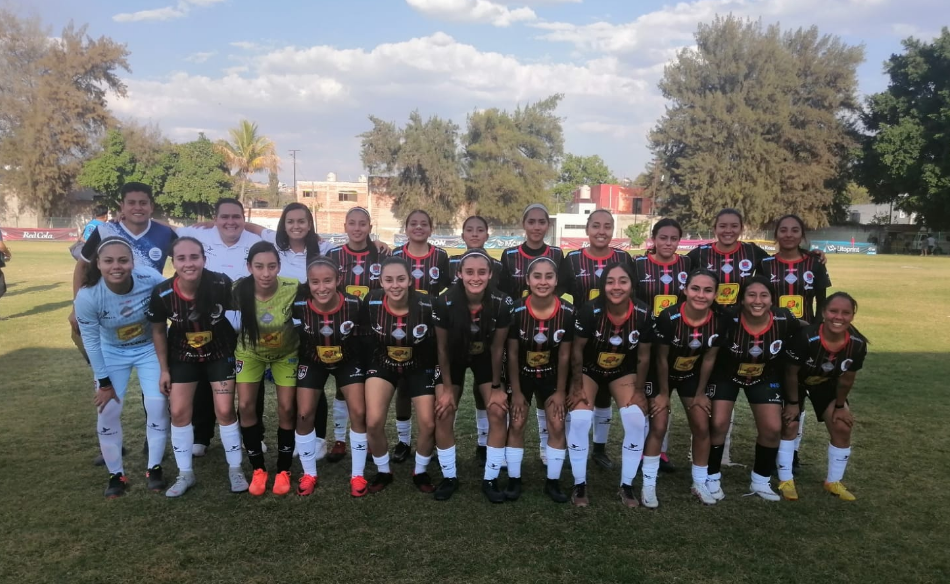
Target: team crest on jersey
<point>745,265</point>
<point>540,338</point>
<point>755,350</point>
<point>346,327</point>
<point>558,335</point>
<point>695,343</point>
<point>417,273</point>
<point>616,340</point>
<point>420,331</point>
<point>682,278</point>
<point>326,331</point>
<point>375,269</point>
<point>357,269</point>
<point>846,364</point>
<point>809,277</point>
<point>775,347</point>
<point>267,318</point>
<point>399,334</point>
<point>154,254</point>
<point>238,366</point>
<point>634,337</point>
<point>434,273</point>
<point>302,371</point>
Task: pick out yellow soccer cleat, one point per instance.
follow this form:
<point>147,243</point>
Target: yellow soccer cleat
<point>838,490</point>
<point>788,490</point>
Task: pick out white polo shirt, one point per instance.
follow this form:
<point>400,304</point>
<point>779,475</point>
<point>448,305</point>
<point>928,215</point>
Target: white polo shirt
<point>293,264</point>
<point>228,260</point>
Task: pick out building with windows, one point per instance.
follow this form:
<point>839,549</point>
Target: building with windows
<point>628,205</point>
<point>330,199</point>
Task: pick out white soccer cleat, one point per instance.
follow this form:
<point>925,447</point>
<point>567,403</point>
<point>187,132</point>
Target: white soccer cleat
<point>702,493</point>
<point>185,481</point>
<point>199,450</point>
<point>715,489</point>
<point>238,480</point>
<point>648,498</point>
<point>765,491</point>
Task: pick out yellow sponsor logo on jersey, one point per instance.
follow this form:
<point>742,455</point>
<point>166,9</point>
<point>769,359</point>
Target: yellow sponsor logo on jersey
<point>524,294</point>
<point>685,363</point>
<point>661,302</point>
<point>127,333</point>
<point>476,348</point>
<point>538,358</point>
<point>330,355</point>
<point>794,303</point>
<point>199,339</point>
<point>751,369</point>
<point>399,354</point>
<point>727,293</point>
<point>815,380</point>
<point>422,291</point>
<point>271,340</point>
<point>358,291</point>
<point>609,360</point>
<point>593,294</point>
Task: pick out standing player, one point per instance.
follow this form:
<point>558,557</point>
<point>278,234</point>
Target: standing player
<point>100,216</point>
<point>539,353</point>
<point>471,321</point>
<point>110,309</point>
<point>199,344</point>
<point>611,351</point>
<point>823,360</point>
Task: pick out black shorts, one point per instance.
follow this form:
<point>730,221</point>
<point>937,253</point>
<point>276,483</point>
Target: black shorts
<point>219,370</point>
<point>686,388</point>
<point>481,371</point>
<point>603,379</point>
<point>418,382</point>
<point>767,390</point>
<point>314,375</point>
<point>538,389</point>
<point>820,396</point>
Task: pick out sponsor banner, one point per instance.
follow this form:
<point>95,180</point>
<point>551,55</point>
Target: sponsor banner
<point>569,243</point>
<point>845,247</point>
<point>455,241</point>
<point>17,234</point>
<point>688,244</point>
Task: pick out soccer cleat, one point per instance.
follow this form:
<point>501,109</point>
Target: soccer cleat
<point>701,491</point>
<point>763,490</point>
<point>281,483</point>
<point>380,481</point>
<point>117,485</point>
<point>423,482</point>
<point>788,491</point>
<point>305,485</point>
<point>185,480</point>
<point>666,465</point>
<point>337,452</point>
<point>156,480</point>
<point>237,479</point>
<point>601,459</point>
<point>358,487</point>
<point>258,482</point>
<point>492,492</point>
<point>714,486</point>
<point>552,488</point>
<point>401,452</point>
<point>481,454</point>
<point>648,497</point>
<point>513,489</point>
<point>627,497</point>
<point>100,461</point>
<point>199,450</point>
<point>446,488</point>
<point>839,490</point>
<point>579,495</point>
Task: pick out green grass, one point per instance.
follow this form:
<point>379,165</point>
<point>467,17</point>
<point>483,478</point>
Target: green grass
<point>57,527</point>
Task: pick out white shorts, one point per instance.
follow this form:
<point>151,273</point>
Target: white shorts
<point>145,362</point>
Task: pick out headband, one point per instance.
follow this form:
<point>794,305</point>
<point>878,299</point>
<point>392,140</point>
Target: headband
<point>111,241</point>
<point>533,206</point>
<point>541,259</point>
<point>323,260</point>
<point>361,210</point>
<point>480,254</point>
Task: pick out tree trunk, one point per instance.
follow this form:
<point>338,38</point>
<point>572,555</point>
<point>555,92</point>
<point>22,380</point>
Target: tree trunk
<point>247,207</point>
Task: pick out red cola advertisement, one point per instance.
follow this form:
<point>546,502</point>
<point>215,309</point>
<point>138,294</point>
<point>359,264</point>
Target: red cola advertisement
<point>18,234</point>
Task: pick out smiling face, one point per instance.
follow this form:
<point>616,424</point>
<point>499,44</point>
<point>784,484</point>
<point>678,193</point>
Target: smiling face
<point>667,240</point>
<point>136,208</point>
<point>115,263</point>
<point>323,281</point>
<point>542,279</point>
<point>188,260</point>
<point>728,229</point>
<point>230,222</point>
<point>475,273</point>
<point>757,300</point>
<point>838,314</point>
<point>618,286</point>
<point>394,280</point>
<point>297,224</point>
<point>700,293</point>
<point>474,233</point>
<point>418,227</point>
<point>600,229</point>
<point>264,268</point>
<point>535,225</point>
<point>357,227</point>
<point>789,234</point>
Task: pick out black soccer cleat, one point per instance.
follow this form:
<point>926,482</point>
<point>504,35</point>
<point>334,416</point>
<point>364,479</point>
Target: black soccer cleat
<point>156,479</point>
<point>445,489</point>
<point>117,486</point>
<point>552,488</point>
<point>423,482</point>
<point>492,492</point>
<point>513,489</point>
<point>380,481</point>
<point>401,452</point>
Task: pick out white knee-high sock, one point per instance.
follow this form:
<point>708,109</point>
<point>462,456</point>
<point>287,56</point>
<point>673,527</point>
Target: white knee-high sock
<point>651,468</point>
<point>555,461</point>
<point>422,463</point>
<point>494,460</point>
<point>307,449</point>
<point>231,441</point>
<point>786,454</point>
<point>481,425</point>
<point>837,463</point>
<point>110,436</point>
<point>666,437</point>
<point>341,415</point>
<point>358,453</point>
<point>514,456</point>
<point>542,428</point>
<point>183,438</point>
<point>633,422</point>
<point>700,474</point>
<point>801,430</point>
<point>578,443</point>
<point>404,430</point>
<point>156,428</point>
<point>602,418</point>
<point>447,461</point>
<point>382,463</point>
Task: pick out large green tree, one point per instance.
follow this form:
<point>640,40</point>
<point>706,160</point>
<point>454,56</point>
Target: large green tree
<point>130,152</point>
<point>758,120</point>
<point>248,152</point>
<point>53,107</point>
<point>907,150</point>
<point>380,146</point>
<point>576,171</point>
<point>197,177</point>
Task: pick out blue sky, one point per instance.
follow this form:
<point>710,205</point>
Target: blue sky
<point>309,73</point>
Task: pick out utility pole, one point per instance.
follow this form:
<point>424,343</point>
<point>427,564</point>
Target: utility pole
<point>293,154</point>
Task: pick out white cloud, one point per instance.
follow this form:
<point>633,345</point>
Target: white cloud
<point>200,57</point>
<point>478,11</point>
<point>246,45</point>
<point>166,13</point>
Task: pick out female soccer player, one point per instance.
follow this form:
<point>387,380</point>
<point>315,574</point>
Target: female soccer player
<point>267,339</point>
<point>200,341</point>
<point>329,345</point>
<point>539,351</point>
<point>686,349</point>
<point>514,281</point>
<point>822,362</point>
<point>471,321</point>
<point>296,240</point>
<point>400,346</point>
<point>110,308</point>
<point>611,351</point>
<point>750,359</point>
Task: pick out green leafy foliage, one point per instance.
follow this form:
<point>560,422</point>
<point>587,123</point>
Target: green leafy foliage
<point>197,178</point>
<point>576,171</point>
<point>637,232</point>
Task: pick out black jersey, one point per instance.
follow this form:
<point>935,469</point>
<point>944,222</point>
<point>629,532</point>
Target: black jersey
<point>688,341</point>
<point>796,285</point>
<point>481,330</point>
<point>456,260</point>
<point>430,272</point>
<point>580,272</point>
<point>360,269</point>
<point>195,337</point>
<point>399,343</point>
<point>328,338</point>
<point>539,340</point>
<point>612,344</point>
<point>817,364</point>
<point>747,358</point>
<point>732,268</point>
<point>660,285</point>
<point>514,267</point>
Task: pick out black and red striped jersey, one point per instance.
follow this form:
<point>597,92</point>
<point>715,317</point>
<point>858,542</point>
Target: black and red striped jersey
<point>399,342</point>
<point>481,330</point>
<point>612,343</point>
<point>580,272</point>
<point>430,272</point>
<point>194,337</point>
<point>818,364</point>
<point>455,260</point>
<point>745,357</point>
<point>731,268</point>
<point>688,341</point>
<point>797,286</point>
<point>539,340</point>
<point>660,285</point>
<point>514,265</point>
<point>360,269</point>
<point>328,338</point>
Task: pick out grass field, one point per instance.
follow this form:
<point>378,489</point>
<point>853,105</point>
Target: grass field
<point>55,525</point>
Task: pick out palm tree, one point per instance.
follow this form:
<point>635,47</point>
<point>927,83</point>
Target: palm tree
<point>248,152</point>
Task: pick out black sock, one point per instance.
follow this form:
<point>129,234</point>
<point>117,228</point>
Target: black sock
<point>764,460</point>
<point>715,458</point>
<point>320,419</point>
<point>285,449</point>
<point>252,443</point>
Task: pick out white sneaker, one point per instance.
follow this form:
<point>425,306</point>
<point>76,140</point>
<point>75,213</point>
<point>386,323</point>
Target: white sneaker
<point>185,481</point>
<point>764,490</point>
<point>321,449</point>
<point>199,450</point>
<point>238,480</point>
<point>648,498</point>
<point>702,493</point>
<point>714,486</point>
